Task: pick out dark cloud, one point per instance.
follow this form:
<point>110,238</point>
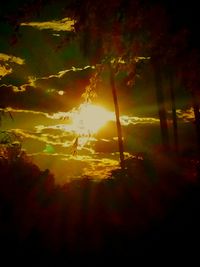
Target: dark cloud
<point>72,79</point>
<point>30,98</point>
<point>57,92</point>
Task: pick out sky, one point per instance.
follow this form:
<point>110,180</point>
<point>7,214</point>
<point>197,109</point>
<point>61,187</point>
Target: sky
<point>43,76</point>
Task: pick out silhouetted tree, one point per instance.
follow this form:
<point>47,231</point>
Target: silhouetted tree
<point>174,115</point>
<point>157,49</point>
<point>191,80</point>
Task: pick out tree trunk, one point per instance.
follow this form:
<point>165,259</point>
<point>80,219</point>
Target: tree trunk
<point>196,107</point>
<point>118,124</point>
<point>161,109</point>
<point>174,116</point>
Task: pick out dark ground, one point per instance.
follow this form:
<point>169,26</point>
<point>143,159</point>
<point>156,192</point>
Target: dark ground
<point>150,213</point>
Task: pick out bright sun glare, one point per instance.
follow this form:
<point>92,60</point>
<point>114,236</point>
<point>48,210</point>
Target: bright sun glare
<point>89,118</point>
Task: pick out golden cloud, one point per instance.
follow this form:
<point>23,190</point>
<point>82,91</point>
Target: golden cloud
<point>14,88</point>
<point>186,115</point>
<point>10,58</point>
<point>32,80</point>
<point>127,120</point>
<point>4,70</point>
<point>5,60</point>
<point>54,116</point>
<point>101,167</point>
<point>36,81</point>
<point>65,24</point>
<point>45,138</point>
<point>9,109</point>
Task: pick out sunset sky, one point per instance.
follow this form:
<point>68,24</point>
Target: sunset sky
<point>43,76</point>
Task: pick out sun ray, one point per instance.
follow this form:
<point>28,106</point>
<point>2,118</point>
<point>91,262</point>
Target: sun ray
<point>89,118</point>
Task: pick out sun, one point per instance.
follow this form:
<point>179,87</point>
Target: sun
<point>89,118</point>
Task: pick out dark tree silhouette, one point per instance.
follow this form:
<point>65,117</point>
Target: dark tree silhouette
<point>176,47</point>
<point>174,115</point>
<point>157,49</point>
<point>191,80</point>
<point>117,114</point>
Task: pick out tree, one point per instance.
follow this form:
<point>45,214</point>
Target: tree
<point>173,107</point>
<point>92,31</point>
<point>191,81</point>
<point>10,146</point>
<point>116,41</point>
<point>176,47</point>
<point>166,49</point>
<point>156,48</point>
<point>123,31</point>
<point>118,124</point>
<point>161,107</point>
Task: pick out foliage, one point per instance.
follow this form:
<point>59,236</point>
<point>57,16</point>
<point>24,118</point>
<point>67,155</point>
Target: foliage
<point>10,146</point>
<point>90,90</point>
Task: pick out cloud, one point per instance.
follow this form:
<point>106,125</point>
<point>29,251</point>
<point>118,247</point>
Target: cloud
<point>10,109</point>
<point>5,63</point>
<point>186,115</point>
<point>45,80</point>
<point>127,120</point>
<point>45,138</point>
<point>94,166</point>
<point>65,83</point>
<point>55,116</point>
<point>28,97</point>
<point>68,116</point>
<point>59,143</point>
<point>4,70</point>
<point>11,59</point>
<point>40,92</point>
<point>101,168</point>
<point>65,24</point>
